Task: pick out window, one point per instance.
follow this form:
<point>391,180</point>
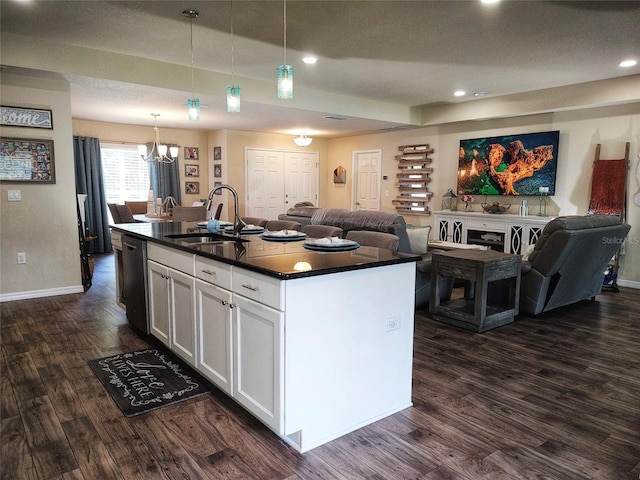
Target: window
<point>126,175</point>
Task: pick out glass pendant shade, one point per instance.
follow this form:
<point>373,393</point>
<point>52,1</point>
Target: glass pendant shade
<point>173,152</point>
<point>162,150</point>
<point>285,81</point>
<point>142,150</point>
<point>233,98</point>
<point>193,104</point>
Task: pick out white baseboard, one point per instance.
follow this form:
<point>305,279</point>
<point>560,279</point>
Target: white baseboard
<point>52,292</point>
<point>628,283</point>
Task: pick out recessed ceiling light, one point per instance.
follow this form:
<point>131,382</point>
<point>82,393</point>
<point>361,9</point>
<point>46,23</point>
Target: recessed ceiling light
<point>459,93</point>
<point>488,2</point>
<point>309,60</point>
<point>628,63</point>
<point>479,94</point>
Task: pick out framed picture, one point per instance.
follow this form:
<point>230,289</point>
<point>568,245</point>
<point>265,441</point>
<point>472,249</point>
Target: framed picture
<point>217,153</point>
<point>217,171</point>
<point>191,153</point>
<point>192,187</point>
<point>191,171</point>
<point>26,160</point>
<point>26,117</point>
<point>217,184</point>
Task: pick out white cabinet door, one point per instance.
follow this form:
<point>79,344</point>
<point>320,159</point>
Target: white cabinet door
<point>158,301</point>
<point>258,358</point>
<point>213,320</point>
<point>182,339</point>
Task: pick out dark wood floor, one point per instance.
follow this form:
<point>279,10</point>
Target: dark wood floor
<point>556,397</point>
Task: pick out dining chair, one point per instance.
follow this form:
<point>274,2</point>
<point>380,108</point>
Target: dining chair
<point>125,214</point>
<point>275,225</point>
<point>189,214</point>
<point>136,207</point>
<point>374,239</point>
<point>115,214</point>
<point>322,231</point>
<point>258,222</point>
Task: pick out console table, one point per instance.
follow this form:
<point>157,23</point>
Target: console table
<point>485,304</point>
<point>504,233</point>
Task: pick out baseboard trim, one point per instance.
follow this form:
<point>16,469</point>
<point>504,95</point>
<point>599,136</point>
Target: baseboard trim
<point>51,292</point>
<point>628,283</point>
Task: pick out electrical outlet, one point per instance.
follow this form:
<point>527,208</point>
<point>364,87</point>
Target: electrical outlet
<point>14,195</point>
<point>392,324</point>
<point>22,257</point>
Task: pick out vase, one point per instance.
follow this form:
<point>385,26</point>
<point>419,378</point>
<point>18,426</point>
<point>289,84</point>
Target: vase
<point>467,207</point>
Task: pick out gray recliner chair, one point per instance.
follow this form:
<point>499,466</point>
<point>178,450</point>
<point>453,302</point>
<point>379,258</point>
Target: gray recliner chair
<point>568,262</point>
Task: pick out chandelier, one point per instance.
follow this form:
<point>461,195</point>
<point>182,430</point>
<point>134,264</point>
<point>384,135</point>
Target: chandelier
<point>158,150</point>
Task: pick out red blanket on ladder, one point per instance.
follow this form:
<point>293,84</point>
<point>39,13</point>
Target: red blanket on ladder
<point>608,187</point>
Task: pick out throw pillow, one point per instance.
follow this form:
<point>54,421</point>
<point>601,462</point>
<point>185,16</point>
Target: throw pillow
<point>528,252</point>
<point>418,238</point>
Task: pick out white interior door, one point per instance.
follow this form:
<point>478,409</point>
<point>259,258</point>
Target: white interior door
<point>301,178</point>
<point>265,184</point>
<point>367,166</point>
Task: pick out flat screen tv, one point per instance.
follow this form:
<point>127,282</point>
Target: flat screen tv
<point>522,164</point>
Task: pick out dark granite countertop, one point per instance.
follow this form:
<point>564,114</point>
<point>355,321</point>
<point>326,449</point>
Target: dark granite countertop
<point>283,260</point>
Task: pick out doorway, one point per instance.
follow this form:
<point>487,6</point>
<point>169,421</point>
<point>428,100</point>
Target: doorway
<point>278,179</point>
<point>367,166</point>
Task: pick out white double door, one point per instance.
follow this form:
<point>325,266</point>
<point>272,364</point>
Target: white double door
<point>278,179</point>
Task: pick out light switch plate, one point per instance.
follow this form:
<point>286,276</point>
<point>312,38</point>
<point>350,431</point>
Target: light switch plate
<point>14,195</point>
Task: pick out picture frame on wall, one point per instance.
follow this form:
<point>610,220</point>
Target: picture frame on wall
<point>27,160</point>
<point>192,187</point>
<point>191,171</point>
<point>217,171</point>
<point>217,153</point>
<point>26,117</point>
<point>217,184</point>
<point>191,153</point>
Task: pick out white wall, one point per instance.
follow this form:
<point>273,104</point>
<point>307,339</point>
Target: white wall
<point>44,223</point>
<point>580,131</point>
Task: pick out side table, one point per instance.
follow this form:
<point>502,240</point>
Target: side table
<point>492,293</point>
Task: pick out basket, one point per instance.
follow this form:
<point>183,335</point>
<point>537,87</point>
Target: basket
<point>495,208</point>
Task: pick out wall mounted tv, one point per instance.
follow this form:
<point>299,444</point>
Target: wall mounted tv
<point>522,164</point>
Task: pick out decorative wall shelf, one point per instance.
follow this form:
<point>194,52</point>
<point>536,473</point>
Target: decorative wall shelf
<point>413,179</point>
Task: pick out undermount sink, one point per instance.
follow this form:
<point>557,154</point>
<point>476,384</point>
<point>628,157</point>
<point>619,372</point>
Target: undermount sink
<point>195,239</point>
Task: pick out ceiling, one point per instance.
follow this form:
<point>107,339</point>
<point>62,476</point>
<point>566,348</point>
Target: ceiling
<point>380,63</point>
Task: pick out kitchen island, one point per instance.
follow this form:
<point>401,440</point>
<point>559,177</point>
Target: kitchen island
<point>313,344</point>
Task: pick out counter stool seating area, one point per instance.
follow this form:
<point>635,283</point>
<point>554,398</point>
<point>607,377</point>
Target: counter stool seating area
<point>275,225</point>
<point>410,239</point>
<point>258,222</point>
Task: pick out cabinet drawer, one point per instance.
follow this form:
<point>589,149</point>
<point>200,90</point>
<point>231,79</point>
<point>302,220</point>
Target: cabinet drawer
<point>171,257</point>
<point>263,289</point>
<point>488,225</point>
<point>214,272</point>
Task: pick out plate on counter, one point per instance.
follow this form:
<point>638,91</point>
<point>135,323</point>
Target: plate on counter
<point>223,224</point>
<point>331,244</point>
<point>283,236</point>
<point>247,229</point>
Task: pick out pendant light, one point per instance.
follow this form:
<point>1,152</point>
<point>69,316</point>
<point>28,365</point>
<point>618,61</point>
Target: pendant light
<point>233,90</point>
<point>302,140</point>
<point>193,103</point>
<point>285,72</point>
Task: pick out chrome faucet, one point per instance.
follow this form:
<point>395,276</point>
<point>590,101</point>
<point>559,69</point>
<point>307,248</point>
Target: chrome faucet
<point>238,224</point>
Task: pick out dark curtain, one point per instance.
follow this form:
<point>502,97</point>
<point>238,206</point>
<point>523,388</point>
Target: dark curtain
<point>165,178</point>
<point>89,180</point>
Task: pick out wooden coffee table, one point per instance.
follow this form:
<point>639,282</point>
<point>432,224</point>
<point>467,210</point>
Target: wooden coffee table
<point>492,291</point>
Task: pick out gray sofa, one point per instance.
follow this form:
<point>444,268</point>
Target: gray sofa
<point>568,262</point>
<point>378,221</point>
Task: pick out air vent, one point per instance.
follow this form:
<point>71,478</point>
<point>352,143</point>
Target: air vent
<point>335,117</point>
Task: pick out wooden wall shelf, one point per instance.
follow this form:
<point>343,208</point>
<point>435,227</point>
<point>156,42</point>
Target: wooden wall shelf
<point>413,179</point>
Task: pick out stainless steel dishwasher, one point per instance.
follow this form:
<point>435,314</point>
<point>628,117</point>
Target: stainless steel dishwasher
<point>134,263</point>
